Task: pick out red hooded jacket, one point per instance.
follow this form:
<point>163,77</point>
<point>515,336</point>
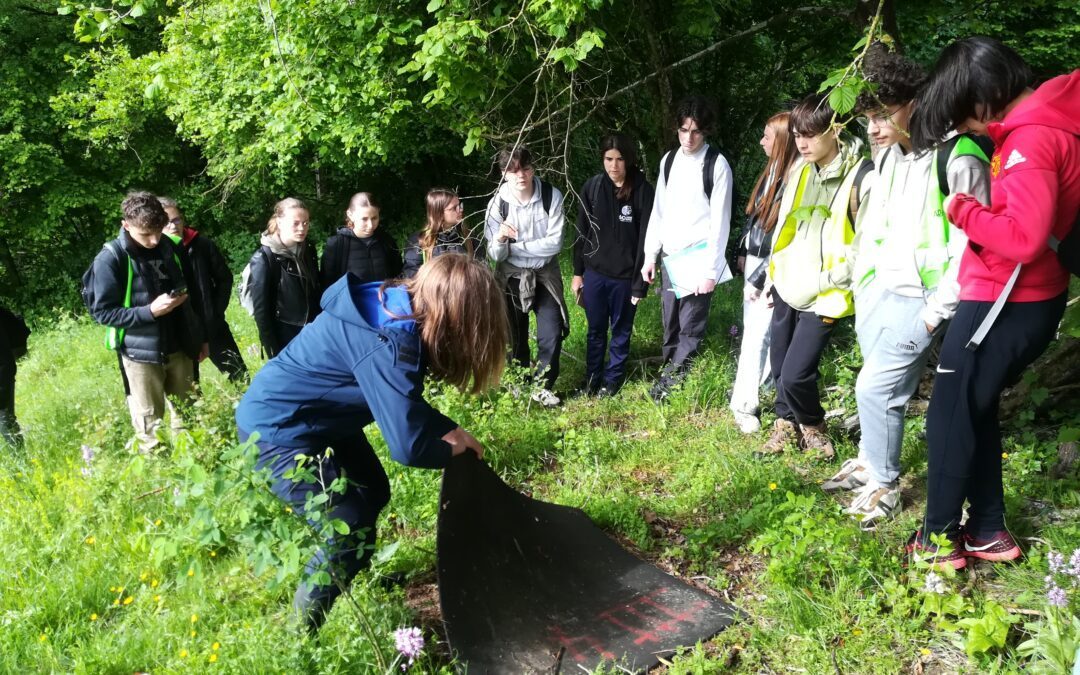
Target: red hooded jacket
<point>1034,192</point>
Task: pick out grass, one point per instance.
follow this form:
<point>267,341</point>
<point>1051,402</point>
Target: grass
<point>154,564</point>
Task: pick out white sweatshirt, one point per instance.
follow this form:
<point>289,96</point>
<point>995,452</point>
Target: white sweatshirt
<point>539,234</point>
<point>682,216</point>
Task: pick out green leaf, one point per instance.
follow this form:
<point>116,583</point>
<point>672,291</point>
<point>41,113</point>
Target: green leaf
<point>435,5</point>
<point>842,98</point>
<point>340,526</point>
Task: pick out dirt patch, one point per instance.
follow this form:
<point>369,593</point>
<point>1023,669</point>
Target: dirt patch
<point>422,599</point>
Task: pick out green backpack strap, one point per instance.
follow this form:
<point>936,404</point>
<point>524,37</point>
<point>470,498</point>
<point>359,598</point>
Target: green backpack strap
<point>959,145</point>
<point>114,337</point>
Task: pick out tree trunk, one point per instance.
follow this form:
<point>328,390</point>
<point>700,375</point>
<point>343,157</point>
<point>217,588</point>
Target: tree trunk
<point>1057,371</point>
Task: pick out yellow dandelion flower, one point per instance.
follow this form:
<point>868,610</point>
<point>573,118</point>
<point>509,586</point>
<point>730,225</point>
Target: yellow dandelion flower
<point>857,632</point>
<point>191,571</point>
<point>154,583</point>
<point>1004,455</point>
<point>924,651</point>
<point>43,637</point>
<point>194,618</point>
<point>129,599</point>
<point>116,602</point>
<point>183,653</point>
<point>772,486</point>
<point>93,617</point>
<point>157,523</point>
<point>216,646</point>
<point>112,589</point>
<point>213,554</point>
<point>288,509</point>
<point>90,540</point>
<point>213,658</point>
<point>144,576</point>
<point>193,633</point>
<point>157,598</point>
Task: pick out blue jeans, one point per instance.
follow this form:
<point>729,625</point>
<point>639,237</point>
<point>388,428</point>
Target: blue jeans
<point>895,346</point>
<point>607,302</point>
<point>367,492</point>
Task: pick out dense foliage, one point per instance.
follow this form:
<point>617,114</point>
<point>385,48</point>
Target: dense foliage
<point>229,105</point>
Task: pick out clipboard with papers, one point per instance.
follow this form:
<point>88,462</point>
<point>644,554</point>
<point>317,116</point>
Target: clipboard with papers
<point>686,268</point>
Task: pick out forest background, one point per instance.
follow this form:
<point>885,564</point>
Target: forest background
<point>116,564</point>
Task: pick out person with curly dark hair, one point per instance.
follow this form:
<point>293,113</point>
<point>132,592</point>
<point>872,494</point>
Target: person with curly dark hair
<point>906,260</point>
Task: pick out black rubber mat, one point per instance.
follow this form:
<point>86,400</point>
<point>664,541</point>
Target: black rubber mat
<point>529,587</point>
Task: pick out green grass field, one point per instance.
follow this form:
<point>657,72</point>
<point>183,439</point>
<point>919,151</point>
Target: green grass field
<point>181,563</point>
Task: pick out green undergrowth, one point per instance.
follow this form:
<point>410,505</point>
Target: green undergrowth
<point>182,562</point>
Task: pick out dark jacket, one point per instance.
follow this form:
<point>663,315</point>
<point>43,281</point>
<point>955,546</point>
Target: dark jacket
<point>282,294</point>
<point>355,364</point>
<point>448,241</point>
<point>154,271</point>
<point>611,233</point>
<point>214,280</point>
<point>756,241</point>
<point>373,258</point>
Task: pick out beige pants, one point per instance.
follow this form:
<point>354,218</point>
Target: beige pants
<point>152,385</point>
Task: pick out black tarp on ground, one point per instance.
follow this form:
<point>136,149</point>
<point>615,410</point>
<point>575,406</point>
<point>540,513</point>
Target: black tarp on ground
<point>522,581</point>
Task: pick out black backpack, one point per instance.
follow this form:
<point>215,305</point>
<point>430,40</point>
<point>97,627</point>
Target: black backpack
<point>707,169</point>
<point>87,284</point>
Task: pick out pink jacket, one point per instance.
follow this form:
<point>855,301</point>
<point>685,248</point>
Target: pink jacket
<point>1034,192</point>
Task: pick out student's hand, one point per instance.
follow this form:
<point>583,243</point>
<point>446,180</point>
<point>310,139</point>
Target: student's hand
<point>634,301</point>
<point>769,295</point>
<point>506,231</point>
<point>740,262</point>
<point>930,329</point>
<point>461,441</point>
<point>750,294</point>
<point>648,272</point>
<point>947,203</point>
<point>165,303</point>
<point>577,283</point>
<point>204,352</point>
<point>706,286</point>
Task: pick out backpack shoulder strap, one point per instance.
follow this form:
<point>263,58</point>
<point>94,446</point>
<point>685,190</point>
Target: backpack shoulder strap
<point>708,169</point>
<point>504,207</point>
<point>669,159</point>
<point>941,162</point>
<point>864,168</point>
<point>546,195</point>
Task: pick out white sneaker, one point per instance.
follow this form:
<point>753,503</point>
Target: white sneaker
<point>546,398</point>
<point>875,503</point>
<point>851,476</point>
<point>747,423</point>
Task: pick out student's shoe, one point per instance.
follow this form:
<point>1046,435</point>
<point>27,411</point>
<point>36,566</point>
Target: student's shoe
<point>874,504</point>
<point>928,552</point>
<point>662,389</point>
<point>747,423</point>
<point>998,548</point>
<point>851,476</point>
<point>606,392</point>
<point>784,434</point>
<point>546,398</point>
<point>815,438</point>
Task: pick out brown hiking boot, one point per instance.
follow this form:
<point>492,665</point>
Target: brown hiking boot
<point>816,439</point>
<point>783,435</point>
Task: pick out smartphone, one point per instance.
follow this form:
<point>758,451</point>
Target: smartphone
<point>177,292</point>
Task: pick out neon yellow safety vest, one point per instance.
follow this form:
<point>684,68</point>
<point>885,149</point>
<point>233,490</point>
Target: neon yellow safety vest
<point>837,234</point>
<point>932,248</point>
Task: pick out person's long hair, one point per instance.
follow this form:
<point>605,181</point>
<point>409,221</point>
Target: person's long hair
<point>461,315</point>
<point>437,201</point>
<point>764,204</point>
<point>977,77</point>
<point>625,147</point>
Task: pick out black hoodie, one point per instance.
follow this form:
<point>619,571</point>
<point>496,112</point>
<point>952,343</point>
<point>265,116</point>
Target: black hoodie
<point>373,258</point>
<point>612,241</point>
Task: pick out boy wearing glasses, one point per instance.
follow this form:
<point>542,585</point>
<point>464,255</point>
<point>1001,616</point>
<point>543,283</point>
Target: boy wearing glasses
<point>214,284</point>
<point>905,281</point>
<point>691,217</point>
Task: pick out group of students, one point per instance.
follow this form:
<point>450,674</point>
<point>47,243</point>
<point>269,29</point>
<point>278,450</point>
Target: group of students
<point>927,235</point>
<point>942,237</point>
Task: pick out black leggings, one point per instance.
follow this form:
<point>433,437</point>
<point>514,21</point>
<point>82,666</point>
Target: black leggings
<point>962,429</point>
